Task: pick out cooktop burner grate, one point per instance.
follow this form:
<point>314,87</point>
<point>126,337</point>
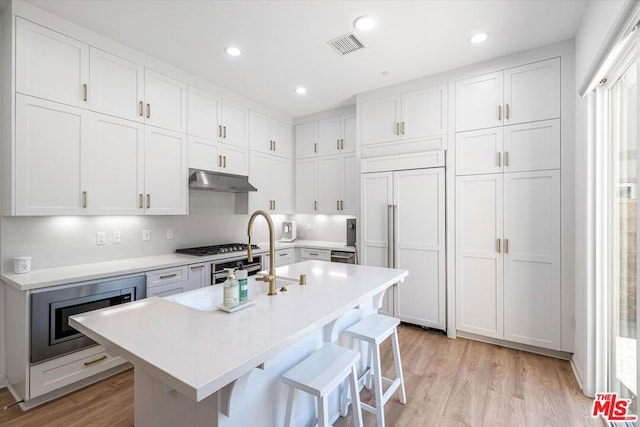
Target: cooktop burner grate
<point>215,249</point>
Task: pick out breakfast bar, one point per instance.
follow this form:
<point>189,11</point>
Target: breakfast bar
<point>198,365</point>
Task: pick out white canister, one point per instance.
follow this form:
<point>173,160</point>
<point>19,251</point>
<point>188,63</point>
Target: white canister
<point>22,264</point>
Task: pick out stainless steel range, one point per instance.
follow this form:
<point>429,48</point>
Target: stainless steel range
<point>237,258</point>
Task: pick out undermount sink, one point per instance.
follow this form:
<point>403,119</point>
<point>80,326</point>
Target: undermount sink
<point>207,298</point>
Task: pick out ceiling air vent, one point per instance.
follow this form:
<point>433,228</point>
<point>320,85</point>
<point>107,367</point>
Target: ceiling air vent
<point>346,44</point>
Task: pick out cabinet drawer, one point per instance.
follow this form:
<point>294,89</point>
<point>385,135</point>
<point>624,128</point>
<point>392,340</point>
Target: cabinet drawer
<point>168,289</point>
<point>54,374</point>
<point>315,254</point>
<point>167,275</point>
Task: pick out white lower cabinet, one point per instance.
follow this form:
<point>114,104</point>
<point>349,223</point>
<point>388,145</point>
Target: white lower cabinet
<point>62,371</point>
<point>271,175</point>
<point>508,257</point>
<point>283,257</point>
<point>403,226</point>
<point>306,254</point>
<point>169,281</point>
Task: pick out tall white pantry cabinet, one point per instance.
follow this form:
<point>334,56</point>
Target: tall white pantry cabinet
<point>508,283</point>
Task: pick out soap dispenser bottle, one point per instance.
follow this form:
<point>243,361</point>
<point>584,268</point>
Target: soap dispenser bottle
<point>241,275</point>
<point>231,292</point>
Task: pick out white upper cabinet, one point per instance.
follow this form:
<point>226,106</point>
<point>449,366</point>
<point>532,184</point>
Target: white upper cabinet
<point>328,184</point>
<point>203,115</point>
<point>114,160</point>
<point>281,190</point>
<point>329,135</point>
<point>532,146</point>
<point>165,170</point>
<point>116,86</point>
<point>348,143</point>
<point>517,95</point>
<point>479,151</point>
<point>272,176</point>
<point>50,139</point>
<point>234,124</point>
<point>307,140</point>
<point>50,65</point>
<point>349,181</point>
<point>217,157</point>
<point>165,102</point>
<point>269,135</point>
<point>532,92</point>
<point>306,186</point>
<point>411,115</point>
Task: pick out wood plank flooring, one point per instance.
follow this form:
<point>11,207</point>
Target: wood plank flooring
<point>448,383</point>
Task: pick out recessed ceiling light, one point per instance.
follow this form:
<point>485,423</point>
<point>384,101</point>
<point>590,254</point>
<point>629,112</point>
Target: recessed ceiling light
<point>233,51</point>
<point>478,38</point>
<point>301,90</point>
<point>365,23</point>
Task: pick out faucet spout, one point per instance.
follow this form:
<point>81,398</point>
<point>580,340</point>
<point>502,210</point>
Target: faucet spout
<point>271,278</point>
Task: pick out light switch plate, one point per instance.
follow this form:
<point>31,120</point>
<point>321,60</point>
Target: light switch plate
<point>116,240</point>
<point>101,238</point>
<point>146,234</point>
<point>169,234</point>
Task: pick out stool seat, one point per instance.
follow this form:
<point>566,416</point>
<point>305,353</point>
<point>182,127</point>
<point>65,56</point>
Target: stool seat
<point>320,374</point>
<point>374,328</point>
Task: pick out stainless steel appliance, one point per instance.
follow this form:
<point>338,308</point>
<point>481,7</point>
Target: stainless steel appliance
<point>343,257</point>
<point>218,272</point>
<point>51,335</point>
<point>351,232</point>
<point>289,231</point>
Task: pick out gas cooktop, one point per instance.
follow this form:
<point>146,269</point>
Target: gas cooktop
<point>216,249</point>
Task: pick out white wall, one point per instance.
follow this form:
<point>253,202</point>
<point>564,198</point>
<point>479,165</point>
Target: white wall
<point>596,23</point>
<point>331,228</point>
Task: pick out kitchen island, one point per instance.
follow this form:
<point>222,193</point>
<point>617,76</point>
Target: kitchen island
<point>202,366</point>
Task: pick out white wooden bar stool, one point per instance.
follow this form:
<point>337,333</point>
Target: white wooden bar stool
<point>374,329</point>
<point>321,373</point>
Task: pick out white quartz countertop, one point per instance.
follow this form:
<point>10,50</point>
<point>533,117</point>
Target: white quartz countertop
<point>198,352</point>
<point>46,277</point>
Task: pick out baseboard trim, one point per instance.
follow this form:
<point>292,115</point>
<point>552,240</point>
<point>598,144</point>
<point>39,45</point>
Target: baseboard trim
<point>517,346</point>
<point>4,381</point>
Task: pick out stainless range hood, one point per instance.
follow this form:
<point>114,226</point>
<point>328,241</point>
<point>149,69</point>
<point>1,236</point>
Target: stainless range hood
<point>216,181</point>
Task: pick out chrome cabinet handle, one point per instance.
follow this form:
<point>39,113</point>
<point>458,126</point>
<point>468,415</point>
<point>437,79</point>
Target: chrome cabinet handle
<point>93,362</point>
<point>499,158</point>
<point>337,205</point>
<point>315,147</point>
<point>219,161</point>
<point>342,144</point>
<point>84,199</point>
<point>219,131</point>
<point>499,245</point>
<point>224,131</point>
<point>314,254</point>
<point>148,111</point>
<point>140,202</point>
<point>389,235</point>
<point>506,246</point>
<point>506,111</point>
<point>141,109</point>
<point>341,205</point>
<point>224,161</point>
<point>284,254</point>
<point>274,205</point>
<point>402,127</point>
<point>499,112</point>
<point>506,158</point>
<point>148,201</point>
<point>85,92</point>
<point>168,276</point>
<point>395,236</point>
<point>197,267</point>
<point>315,205</point>
<point>338,143</point>
<point>397,128</point>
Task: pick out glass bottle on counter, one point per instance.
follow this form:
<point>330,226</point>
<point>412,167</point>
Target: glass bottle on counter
<point>231,290</point>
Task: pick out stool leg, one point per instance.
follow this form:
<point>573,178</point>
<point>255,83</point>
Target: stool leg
<point>377,380</point>
<point>344,399</point>
<point>368,380</point>
<point>287,417</point>
<point>398,363</point>
<point>355,407</point>
<point>323,412</point>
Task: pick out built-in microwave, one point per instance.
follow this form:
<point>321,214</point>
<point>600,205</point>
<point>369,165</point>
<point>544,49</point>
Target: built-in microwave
<point>51,335</point>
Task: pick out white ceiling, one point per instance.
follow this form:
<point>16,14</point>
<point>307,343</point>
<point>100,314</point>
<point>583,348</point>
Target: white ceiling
<point>284,42</point>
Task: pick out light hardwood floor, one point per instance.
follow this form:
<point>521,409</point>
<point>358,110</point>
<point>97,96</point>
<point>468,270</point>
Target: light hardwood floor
<point>448,383</point>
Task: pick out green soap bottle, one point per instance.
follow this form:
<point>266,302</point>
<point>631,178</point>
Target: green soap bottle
<point>241,275</point>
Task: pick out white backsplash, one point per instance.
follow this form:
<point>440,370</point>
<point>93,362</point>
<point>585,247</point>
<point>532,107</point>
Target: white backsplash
<point>59,241</point>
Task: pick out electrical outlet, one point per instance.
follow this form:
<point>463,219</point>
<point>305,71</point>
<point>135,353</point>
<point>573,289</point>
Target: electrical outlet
<point>146,234</point>
<point>169,234</point>
<point>116,238</point>
<point>101,238</point>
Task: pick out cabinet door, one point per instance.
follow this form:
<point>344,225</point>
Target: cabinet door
<point>204,154</point>
<point>260,177</point>
<point>50,65</point>
<point>532,258</point>
<point>234,124</point>
<point>419,230</point>
<point>329,184</point>
<point>479,151</point>
<point>424,112</point>
<point>375,230</point>
<point>235,160</point>
<point>479,259</point>
<point>50,140</point>
<point>306,140</point>
<point>532,146</point>
<point>348,134</point>
<point>479,102</point>
<point>349,182</point>
<point>165,166</point>
<point>117,86</point>
<point>260,132</point>
<point>532,92</point>
<point>199,275</point>
<point>166,102</point>
<point>379,120</point>
<point>203,115</point>
<point>329,135</point>
<point>115,166</point>
<point>282,136</point>
<point>281,185</point>
<point>306,177</point>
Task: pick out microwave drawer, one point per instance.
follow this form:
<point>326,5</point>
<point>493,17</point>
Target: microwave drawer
<point>167,275</point>
<point>62,371</point>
